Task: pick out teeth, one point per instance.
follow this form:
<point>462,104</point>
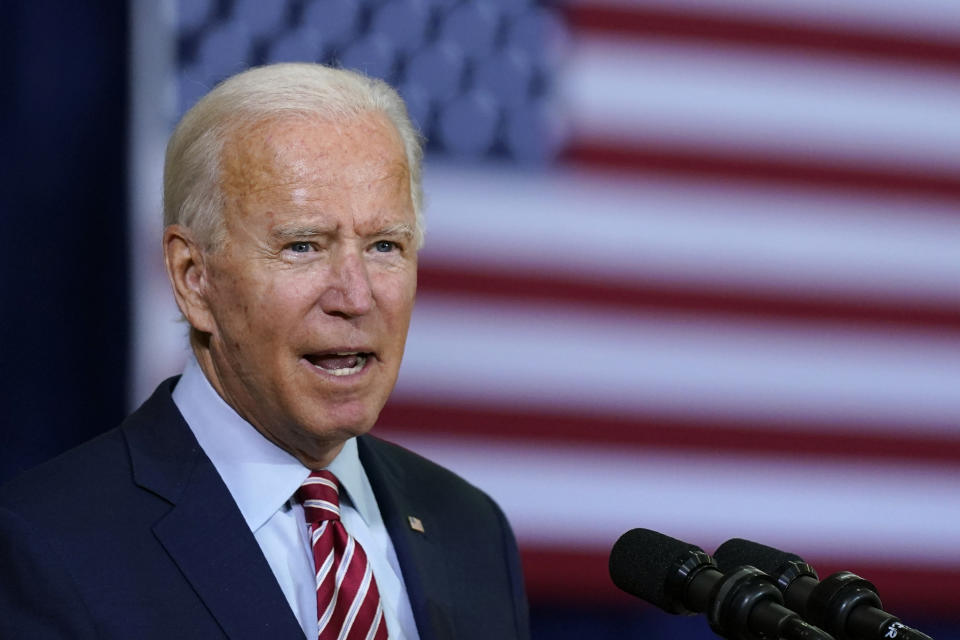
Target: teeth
<point>361,360</point>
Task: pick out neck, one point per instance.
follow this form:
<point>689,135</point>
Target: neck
<point>313,453</point>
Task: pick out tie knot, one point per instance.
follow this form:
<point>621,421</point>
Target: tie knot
<point>320,496</point>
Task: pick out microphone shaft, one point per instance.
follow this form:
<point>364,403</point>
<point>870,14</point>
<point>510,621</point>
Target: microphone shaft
<point>872,623</point>
<point>787,624</point>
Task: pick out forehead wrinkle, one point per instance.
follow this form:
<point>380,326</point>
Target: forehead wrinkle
<point>397,170</point>
<point>266,157</point>
<point>258,175</point>
<point>261,156</point>
<point>274,147</point>
<point>397,175</point>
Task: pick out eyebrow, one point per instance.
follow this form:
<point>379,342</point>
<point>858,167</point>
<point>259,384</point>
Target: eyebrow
<point>400,229</point>
<point>292,232</point>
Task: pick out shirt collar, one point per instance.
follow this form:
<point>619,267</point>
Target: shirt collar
<point>260,476</point>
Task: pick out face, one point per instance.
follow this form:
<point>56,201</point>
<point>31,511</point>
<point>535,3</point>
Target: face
<point>310,296</point>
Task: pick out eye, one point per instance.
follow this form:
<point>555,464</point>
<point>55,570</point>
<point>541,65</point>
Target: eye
<point>385,246</point>
<point>300,247</point>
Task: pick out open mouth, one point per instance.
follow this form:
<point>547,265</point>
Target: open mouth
<point>344,363</point>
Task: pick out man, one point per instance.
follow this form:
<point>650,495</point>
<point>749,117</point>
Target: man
<point>244,499</point>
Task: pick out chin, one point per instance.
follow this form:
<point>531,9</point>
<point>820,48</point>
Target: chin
<point>343,424</point>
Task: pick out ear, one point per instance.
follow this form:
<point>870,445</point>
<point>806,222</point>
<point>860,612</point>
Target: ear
<point>188,275</point>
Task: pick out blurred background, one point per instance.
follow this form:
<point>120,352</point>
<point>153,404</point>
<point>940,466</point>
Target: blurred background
<point>691,265</point>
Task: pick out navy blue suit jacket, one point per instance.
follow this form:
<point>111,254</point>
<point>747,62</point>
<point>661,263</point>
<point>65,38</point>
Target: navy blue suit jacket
<point>134,535</point>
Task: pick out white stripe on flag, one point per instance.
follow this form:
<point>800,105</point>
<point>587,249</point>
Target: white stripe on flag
<point>783,241</point>
<point>833,507</point>
<point>554,357</point>
<point>748,101</point>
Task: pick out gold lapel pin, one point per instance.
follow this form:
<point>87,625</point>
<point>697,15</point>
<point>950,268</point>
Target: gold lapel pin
<point>415,523</point>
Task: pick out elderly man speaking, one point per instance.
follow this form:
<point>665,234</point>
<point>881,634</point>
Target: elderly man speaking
<point>244,498</point>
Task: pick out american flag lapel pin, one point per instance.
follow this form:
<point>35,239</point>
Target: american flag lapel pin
<point>415,523</point>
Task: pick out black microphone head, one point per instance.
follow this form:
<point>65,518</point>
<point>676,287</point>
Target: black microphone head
<point>642,563</point>
<point>738,552</point>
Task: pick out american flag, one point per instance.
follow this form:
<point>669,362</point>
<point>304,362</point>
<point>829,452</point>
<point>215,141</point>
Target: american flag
<point>728,307</point>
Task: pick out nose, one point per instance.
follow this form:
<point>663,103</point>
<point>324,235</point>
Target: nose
<point>348,292</point>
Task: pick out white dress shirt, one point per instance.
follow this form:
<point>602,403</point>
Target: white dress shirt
<point>262,479</point>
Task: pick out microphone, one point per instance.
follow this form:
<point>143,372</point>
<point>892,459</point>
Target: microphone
<point>681,578</point>
<point>844,604</point>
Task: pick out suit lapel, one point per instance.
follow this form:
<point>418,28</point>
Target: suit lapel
<point>421,554</point>
<point>204,531</point>
<point>206,536</point>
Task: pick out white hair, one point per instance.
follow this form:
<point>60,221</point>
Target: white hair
<point>192,191</point>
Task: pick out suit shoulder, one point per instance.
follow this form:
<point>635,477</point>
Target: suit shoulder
<point>99,470</point>
<point>411,469</point>
<point>469,532</point>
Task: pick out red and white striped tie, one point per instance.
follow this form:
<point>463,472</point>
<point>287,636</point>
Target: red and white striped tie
<point>348,602</point>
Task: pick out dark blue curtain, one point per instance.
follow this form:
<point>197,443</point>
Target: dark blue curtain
<point>63,293</point>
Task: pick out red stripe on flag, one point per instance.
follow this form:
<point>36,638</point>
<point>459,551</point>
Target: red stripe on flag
<point>711,164</point>
<point>638,296</point>
<point>569,576</point>
<point>713,434</point>
<point>759,32</point>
